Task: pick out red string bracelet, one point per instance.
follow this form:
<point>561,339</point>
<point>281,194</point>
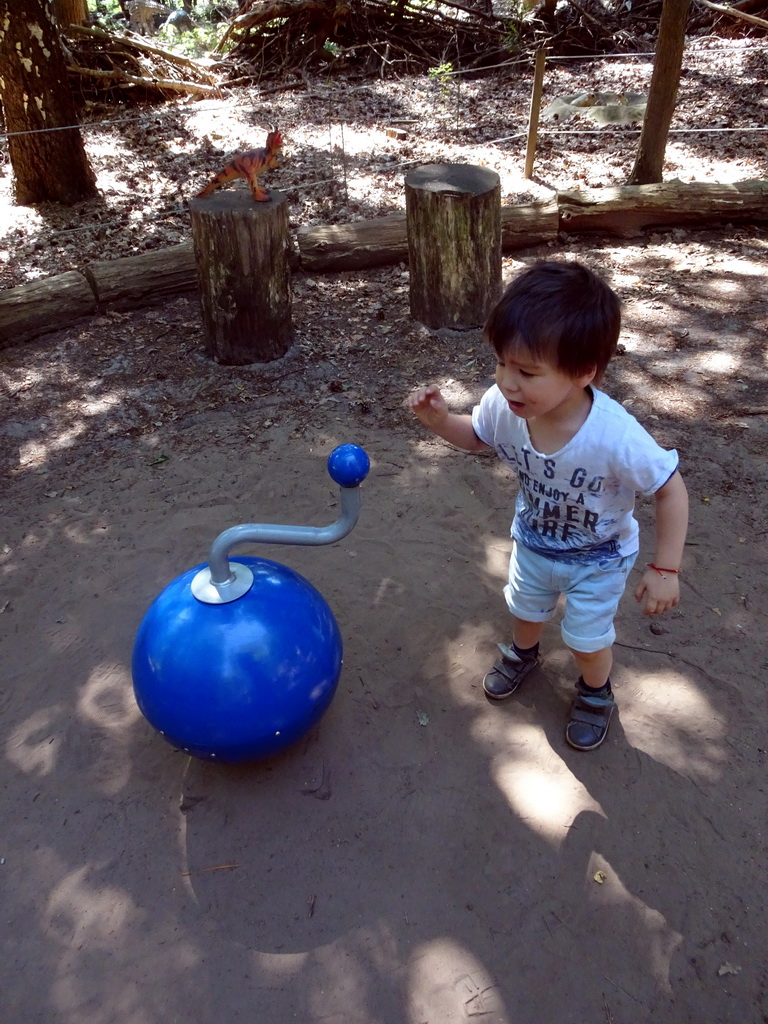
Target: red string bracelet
<point>661,571</point>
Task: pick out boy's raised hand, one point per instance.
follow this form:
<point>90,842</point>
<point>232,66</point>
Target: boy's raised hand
<point>660,593</point>
<point>455,428</point>
<point>429,406</point>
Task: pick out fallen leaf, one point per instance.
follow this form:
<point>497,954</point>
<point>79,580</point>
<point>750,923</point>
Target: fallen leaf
<point>717,611</point>
<point>423,717</point>
<point>727,968</point>
<point>600,877</point>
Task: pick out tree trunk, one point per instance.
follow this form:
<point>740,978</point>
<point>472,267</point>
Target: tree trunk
<point>662,95</point>
<point>454,243</point>
<point>70,12</point>
<point>47,165</point>
<point>241,248</point>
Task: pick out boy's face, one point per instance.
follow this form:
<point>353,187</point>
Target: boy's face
<point>533,388</point>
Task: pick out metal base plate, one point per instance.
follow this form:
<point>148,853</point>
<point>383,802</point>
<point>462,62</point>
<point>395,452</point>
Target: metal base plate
<point>239,583</point>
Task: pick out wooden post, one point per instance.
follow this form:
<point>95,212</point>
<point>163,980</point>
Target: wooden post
<point>241,248</point>
<point>453,215</point>
<point>533,114</point>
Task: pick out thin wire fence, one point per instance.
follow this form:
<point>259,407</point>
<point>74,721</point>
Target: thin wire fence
<point>527,61</point>
<point>180,209</point>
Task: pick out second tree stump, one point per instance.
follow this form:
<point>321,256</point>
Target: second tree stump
<point>453,213</point>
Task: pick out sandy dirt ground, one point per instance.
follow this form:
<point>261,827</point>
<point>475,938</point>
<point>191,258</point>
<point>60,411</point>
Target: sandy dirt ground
<point>421,857</point>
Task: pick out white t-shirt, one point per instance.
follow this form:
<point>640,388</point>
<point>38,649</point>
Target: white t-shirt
<point>576,504</point>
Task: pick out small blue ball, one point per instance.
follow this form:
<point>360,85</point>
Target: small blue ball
<point>348,465</point>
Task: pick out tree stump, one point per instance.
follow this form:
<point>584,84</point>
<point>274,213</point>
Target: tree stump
<point>241,248</point>
<point>453,213</point>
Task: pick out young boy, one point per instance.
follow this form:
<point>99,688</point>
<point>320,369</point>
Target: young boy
<point>580,458</point>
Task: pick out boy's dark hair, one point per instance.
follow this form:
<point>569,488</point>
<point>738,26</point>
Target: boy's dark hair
<point>560,313</point>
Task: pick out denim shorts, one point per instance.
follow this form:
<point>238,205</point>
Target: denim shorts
<point>592,595</point>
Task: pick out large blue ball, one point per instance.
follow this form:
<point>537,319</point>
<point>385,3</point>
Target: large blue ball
<point>238,681</point>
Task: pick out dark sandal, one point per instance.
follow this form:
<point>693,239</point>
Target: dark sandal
<point>589,721</point>
<point>507,674</point>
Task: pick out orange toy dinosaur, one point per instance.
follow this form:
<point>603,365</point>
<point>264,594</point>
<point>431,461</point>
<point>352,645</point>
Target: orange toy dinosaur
<point>249,166</point>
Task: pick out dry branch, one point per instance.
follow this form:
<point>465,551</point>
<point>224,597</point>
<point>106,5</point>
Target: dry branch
<point>108,61</point>
<point>132,42</point>
<point>271,38</point>
<point>166,84</point>
<point>722,9</point>
<point>281,35</point>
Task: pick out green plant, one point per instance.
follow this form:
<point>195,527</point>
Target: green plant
<point>511,39</point>
<point>106,12</point>
<point>440,78</point>
<point>199,42</point>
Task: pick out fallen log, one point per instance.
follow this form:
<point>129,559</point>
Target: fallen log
<point>531,224</point>
<point>627,209</point>
<point>127,283</point>
<point>361,245</point>
<point>41,306</point>
<point>366,244</point>
<point>133,281</point>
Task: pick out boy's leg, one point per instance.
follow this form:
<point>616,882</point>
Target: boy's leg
<point>516,661</point>
<point>595,667</point>
<point>531,599</point>
<point>590,716</point>
<point>525,635</point>
<point>594,702</point>
<point>588,631</point>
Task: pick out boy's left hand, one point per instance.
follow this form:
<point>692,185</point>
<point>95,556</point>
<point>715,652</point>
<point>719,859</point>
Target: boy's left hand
<point>660,593</point>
